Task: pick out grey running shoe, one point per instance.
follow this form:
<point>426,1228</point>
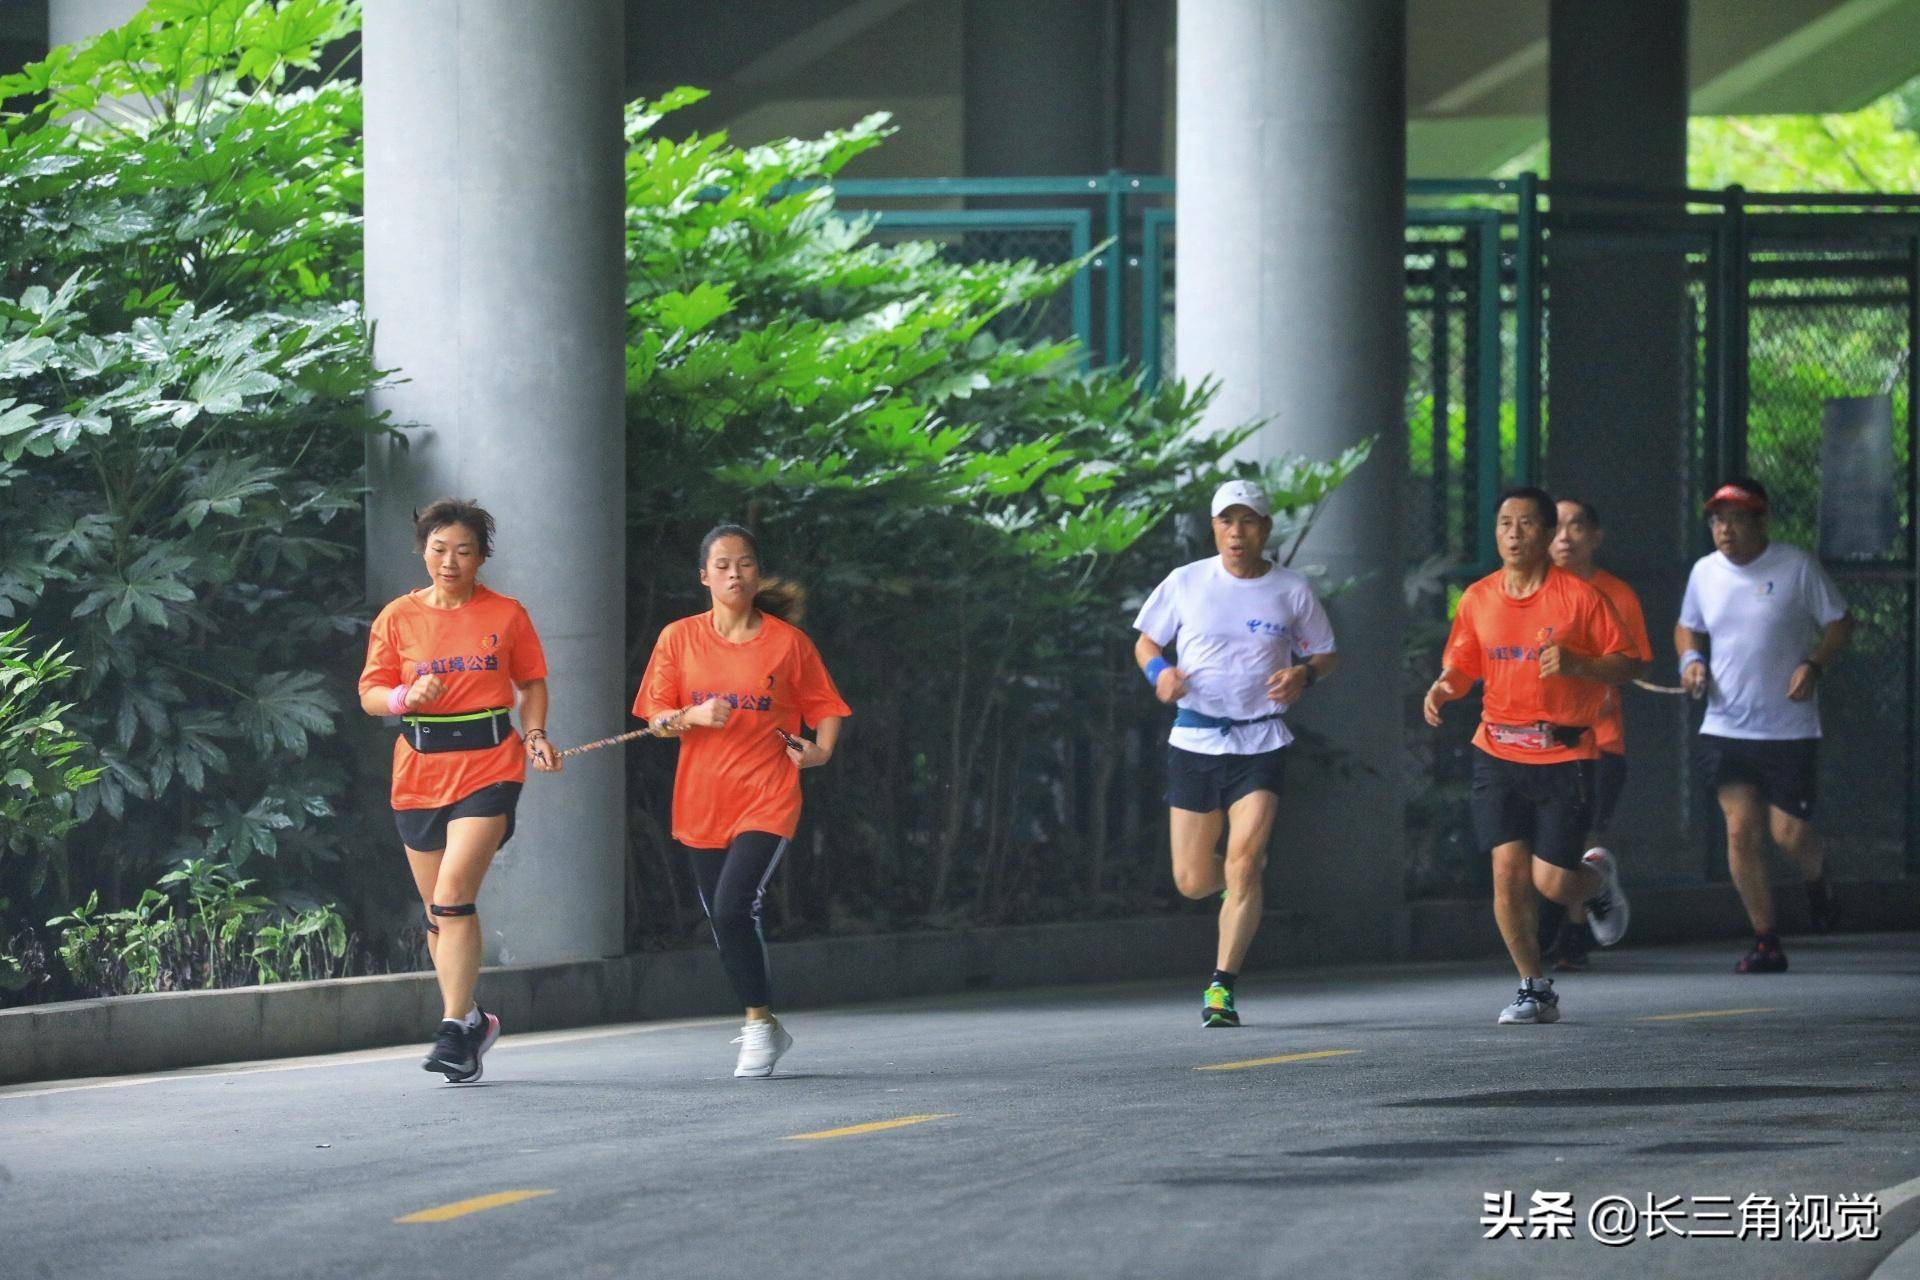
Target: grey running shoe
<point>1607,909</point>
<point>1535,1003</point>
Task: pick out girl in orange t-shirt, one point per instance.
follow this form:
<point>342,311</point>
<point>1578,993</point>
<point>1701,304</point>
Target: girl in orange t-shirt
<point>449,660</point>
<point>735,685</point>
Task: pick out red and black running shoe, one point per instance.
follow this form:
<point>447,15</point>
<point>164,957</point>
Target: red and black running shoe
<point>1766,957</point>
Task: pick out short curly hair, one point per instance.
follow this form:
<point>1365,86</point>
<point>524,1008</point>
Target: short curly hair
<point>441,512</point>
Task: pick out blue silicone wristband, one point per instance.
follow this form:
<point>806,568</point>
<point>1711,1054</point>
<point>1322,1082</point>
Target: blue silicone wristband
<point>1690,657</point>
<point>1155,666</point>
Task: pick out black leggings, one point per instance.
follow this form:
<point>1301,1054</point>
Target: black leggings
<point>732,882</point>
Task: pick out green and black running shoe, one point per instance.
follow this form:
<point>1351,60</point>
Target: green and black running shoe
<point>1217,1008</point>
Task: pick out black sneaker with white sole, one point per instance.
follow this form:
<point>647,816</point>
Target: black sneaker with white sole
<point>459,1049</point>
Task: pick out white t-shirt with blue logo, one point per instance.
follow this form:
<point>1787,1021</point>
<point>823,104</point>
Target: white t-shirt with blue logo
<point>1229,635</point>
<point>1762,618</point>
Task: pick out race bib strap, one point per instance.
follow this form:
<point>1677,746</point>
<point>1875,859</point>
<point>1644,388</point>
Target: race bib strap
<point>1188,718</point>
<point>1536,737</point>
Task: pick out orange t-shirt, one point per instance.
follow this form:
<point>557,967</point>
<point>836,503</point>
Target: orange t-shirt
<point>737,777</point>
<point>482,649</point>
<point>1497,639</point>
<point>1611,730</point>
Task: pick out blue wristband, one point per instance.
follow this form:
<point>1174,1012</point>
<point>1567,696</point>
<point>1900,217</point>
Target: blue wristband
<point>1155,665</point>
<point>1690,657</point>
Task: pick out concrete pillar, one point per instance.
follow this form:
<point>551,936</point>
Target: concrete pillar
<point>495,269</point>
<point>1620,356</point>
<point>72,20</point>
<point>1291,146</point>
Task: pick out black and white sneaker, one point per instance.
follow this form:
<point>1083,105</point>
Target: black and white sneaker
<point>459,1049</point>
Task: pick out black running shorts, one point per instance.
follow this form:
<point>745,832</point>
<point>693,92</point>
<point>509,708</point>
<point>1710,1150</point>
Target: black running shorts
<point>1785,771</point>
<point>1546,805</point>
<point>425,830</point>
<point>1206,784</point>
<point>1609,777</point>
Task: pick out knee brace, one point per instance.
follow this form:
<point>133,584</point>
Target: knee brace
<point>464,909</point>
<point>431,926</point>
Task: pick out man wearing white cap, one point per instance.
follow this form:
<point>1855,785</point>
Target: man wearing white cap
<point>1760,624</point>
<point>1250,639</point>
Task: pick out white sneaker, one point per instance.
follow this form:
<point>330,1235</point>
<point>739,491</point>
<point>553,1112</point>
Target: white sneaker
<point>1607,909</point>
<point>761,1042</point>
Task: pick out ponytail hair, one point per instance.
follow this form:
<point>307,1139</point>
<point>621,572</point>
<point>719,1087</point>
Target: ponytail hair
<point>778,597</point>
<point>782,599</point>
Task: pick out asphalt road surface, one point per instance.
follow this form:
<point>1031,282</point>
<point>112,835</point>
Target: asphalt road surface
<point>1356,1126</point>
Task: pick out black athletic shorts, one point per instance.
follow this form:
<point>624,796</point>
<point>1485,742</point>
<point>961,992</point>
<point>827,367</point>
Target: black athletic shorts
<point>1205,784</point>
<point>426,829</point>
<point>1609,777</point>
<point>1785,771</point>
<point>1547,805</point>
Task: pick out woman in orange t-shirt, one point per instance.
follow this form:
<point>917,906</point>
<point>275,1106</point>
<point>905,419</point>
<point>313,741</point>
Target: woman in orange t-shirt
<point>735,684</point>
<point>449,660</point>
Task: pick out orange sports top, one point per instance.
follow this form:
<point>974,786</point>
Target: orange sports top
<point>737,777</point>
<point>1497,639</point>
<point>1611,731</point>
<point>482,649</point>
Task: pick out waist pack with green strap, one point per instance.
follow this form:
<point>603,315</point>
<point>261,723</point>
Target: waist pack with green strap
<point>468,731</point>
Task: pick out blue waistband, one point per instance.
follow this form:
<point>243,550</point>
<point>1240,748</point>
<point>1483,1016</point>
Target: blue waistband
<point>1188,718</point>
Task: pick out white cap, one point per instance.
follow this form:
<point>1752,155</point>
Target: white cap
<point>1241,493</point>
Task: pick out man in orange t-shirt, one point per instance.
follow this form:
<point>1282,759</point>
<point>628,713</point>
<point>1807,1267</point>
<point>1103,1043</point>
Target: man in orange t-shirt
<point>1563,930</point>
<point>1548,648</point>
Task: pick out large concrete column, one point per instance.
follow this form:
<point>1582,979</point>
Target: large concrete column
<point>1291,146</point>
<point>495,268</point>
<point>1620,355</point>
<point>73,20</point>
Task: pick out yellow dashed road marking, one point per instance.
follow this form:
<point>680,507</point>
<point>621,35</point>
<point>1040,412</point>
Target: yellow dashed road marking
<point>1274,1062</point>
<point>479,1204</point>
<point>873,1127</point>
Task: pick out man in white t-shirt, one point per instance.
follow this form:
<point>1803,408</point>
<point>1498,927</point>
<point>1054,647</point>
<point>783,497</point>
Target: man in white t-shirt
<point>1250,639</point>
<point>1760,625</point>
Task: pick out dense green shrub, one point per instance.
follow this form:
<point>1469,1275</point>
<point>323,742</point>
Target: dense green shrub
<point>182,430</point>
<point>42,770</point>
<point>201,928</point>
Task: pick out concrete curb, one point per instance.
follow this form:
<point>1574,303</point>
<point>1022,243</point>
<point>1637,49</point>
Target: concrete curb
<point>132,1034</point>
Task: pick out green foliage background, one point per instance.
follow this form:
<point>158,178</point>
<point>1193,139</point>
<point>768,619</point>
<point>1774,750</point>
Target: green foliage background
<point>183,372</point>
<point>974,511</point>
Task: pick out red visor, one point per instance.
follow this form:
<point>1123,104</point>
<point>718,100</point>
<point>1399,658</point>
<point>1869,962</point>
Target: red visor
<point>1732,495</point>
